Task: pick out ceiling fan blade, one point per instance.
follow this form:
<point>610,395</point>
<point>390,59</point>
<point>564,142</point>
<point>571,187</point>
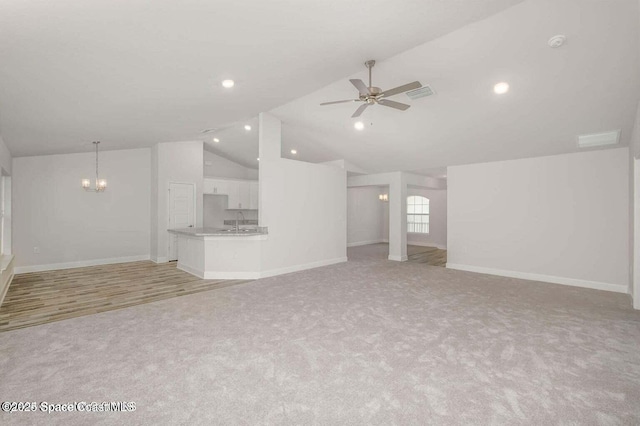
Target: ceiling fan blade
<point>340,102</point>
<point>362,88</point>
<point>393,104</point>
<point>360,110</point>
<point>401,89</point>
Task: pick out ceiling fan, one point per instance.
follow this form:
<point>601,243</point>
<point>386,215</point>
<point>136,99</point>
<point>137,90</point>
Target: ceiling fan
<point>374,95</point>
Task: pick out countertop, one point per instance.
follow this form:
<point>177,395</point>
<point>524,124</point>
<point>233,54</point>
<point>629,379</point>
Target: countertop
<point>220,232</point>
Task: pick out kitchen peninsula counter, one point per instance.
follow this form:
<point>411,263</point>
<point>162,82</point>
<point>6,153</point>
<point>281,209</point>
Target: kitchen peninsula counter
<point>213,253</point>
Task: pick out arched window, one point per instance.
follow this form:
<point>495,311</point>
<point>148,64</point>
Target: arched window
<point>418,214</point>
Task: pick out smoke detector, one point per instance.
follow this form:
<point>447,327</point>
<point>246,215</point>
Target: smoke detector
<point>557,41</point>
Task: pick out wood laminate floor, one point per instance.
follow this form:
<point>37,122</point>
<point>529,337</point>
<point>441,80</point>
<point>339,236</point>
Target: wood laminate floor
<point>42,297</point>
<point>430,255</point>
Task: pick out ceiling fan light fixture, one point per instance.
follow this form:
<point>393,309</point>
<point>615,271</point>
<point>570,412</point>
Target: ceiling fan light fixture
<point>372,95</point>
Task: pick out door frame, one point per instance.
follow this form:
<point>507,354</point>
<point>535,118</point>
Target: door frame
<point>172,238</point>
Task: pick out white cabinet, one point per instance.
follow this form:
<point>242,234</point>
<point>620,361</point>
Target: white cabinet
<point>253,194</point>
<point>244,199</point>
<point>215,186</point>
<point>233,191</point>
<point>242,194</point>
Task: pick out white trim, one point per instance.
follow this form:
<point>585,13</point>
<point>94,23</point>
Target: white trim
<point>365,243</point>
<point>79,264</point>
<point>7,274</point>
<point>232,275</point>
<point>188,269</point>
<point>596,285</point>
<point>425,244</point>
<point>171,238</point>
<point>305,266</point>
<point>635,261</point>
<point>214,275</point>
<point>159,259</point>
<point>254,275</point>
<point>399,258</point>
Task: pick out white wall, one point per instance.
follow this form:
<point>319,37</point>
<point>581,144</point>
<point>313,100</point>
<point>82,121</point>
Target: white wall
<point>153,222</point>
<point>364,216</point>
<point>635,136</point>
<point>395,213</point>
<point>561,219</point>
<point>221,167</point>
<point>636,235</point>
<point>178,162</point>
<point>304,206</point>
<point>72,227</point>
<point>5,158</point>
<point>5,172</point>
<point>437,236</point>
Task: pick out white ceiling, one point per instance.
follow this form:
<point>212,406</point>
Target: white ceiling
<point>134,73</point>
<point>235,143</point>
<point>589,85</point>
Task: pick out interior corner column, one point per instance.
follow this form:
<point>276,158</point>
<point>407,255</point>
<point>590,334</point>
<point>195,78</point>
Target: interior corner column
<point>398,218</point>
<point>636,232</point>
<point>269,149</point>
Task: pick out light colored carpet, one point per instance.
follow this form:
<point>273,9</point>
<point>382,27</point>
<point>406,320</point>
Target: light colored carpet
<point>365,342</point>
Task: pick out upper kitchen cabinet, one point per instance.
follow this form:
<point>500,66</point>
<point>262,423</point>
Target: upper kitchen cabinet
<point>241,194</point>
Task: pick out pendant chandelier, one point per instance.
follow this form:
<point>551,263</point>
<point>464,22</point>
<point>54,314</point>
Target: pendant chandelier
<point>101,184</point>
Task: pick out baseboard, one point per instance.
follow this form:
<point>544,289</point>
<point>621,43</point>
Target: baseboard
<point>79,264</point>
<point>213,275</point>
<point>188,269</point>
<point>364,243</point>
<point>232,275</point>
<point>159,259</point>
<point>596,285</point>
<point>254,275</point>
<point>305,266</point>
<point>398,258</point>
<point>424,244</point>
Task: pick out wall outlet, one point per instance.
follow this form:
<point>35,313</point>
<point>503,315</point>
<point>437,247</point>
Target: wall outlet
<point>36,250</point>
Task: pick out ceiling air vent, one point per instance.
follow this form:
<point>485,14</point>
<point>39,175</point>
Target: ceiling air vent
<point>421,92</point>
<point>599,139</point>
<point>208,130</point>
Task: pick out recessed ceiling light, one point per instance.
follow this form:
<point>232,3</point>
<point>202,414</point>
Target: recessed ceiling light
<point>228,84</point>
<point>247,127</point>
<point>258,158</point>
<point>216,140</point>
<point>293,151</point>
<point>359,125</point>
<point>501,88</point>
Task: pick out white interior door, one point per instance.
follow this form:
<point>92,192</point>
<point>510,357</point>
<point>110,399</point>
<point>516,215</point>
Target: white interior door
<point>181,212</point>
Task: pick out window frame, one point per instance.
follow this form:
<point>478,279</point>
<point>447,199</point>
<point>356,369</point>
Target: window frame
<point>413,224</point>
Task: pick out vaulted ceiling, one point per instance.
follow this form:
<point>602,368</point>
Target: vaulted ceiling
<point>589,85</point>
<point>135,73</point>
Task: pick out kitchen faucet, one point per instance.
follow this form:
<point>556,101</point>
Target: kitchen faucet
<point>238,214</point>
